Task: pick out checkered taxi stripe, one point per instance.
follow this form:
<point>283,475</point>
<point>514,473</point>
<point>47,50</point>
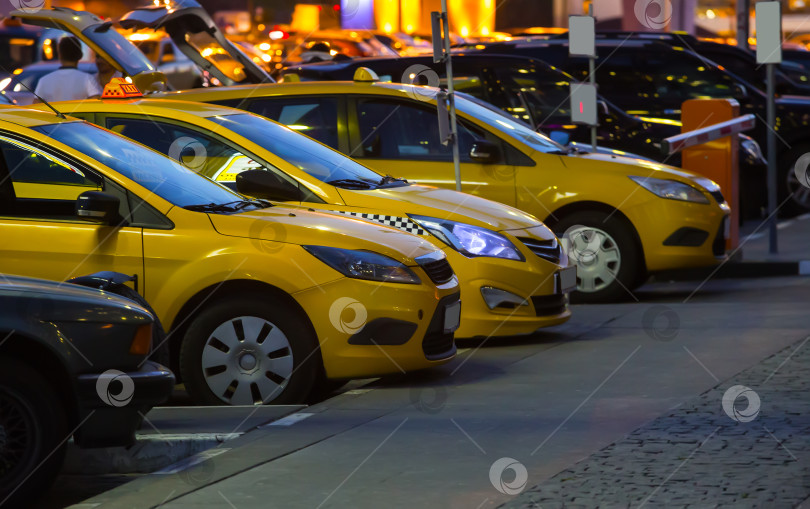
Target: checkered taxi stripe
<point>400,223</point>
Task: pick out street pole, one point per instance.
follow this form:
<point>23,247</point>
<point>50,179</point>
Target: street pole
<point>451,96</point>
<point>592,75</point>
<point>771,145</point>
<point>743,21</point>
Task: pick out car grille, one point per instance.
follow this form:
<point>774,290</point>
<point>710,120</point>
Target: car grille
<point>437,344</point>
<point>439,271</point>
<point>546,249</point>
<point>549,305</point>
<point>718,195</point>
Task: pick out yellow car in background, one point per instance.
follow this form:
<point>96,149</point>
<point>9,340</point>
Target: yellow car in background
<point>264,303</point>
<point>512,270</point>
<point>621,218</point>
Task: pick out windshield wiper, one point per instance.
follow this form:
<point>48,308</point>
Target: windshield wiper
<point>388,179</point>
<point>362,184</point>
<point>233,206</point>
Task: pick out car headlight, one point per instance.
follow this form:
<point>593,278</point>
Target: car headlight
<point>671,189</point>
<point>364,265</point>
<point>470,240</point>
<point>752,148</point>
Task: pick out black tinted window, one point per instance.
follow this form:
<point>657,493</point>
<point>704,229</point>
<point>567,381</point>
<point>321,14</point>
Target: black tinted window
<point>314,116</point>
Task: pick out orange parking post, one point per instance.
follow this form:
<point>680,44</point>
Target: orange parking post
<point>717,159</point>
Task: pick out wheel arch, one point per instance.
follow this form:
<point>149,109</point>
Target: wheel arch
<point>594,206</point>
<point>42,359</point>
<point>219,291</point>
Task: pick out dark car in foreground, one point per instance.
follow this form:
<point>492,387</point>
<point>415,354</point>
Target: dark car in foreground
<point>538,94</point>
<point>73,363</point>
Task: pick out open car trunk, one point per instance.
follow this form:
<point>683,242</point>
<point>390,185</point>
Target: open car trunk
<point>197,36</point>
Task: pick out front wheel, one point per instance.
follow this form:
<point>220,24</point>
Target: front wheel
<point>609,263</point>
<point>33,432</point>
<point>249,352</point>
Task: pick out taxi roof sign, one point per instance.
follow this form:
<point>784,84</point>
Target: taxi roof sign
<point>120,88</point>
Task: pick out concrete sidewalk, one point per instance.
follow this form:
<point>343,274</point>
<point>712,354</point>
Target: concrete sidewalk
<point>793,241</point>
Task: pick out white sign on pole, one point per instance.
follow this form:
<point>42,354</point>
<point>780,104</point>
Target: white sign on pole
<point>583,104</point>
<point>582,36</point>
<point>769,32</point>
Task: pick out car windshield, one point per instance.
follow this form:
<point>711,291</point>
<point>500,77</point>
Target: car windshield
<point>503,122</point>
<point>317,160</point>
<point>163,176</point>
<point>119,48</point>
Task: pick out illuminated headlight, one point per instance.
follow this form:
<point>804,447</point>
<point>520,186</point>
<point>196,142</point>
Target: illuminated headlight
<point>364,265</point>
<point>470,240</point>
<point>671,189</point>
<point>4,83</point>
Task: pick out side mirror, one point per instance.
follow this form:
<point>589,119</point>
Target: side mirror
<point>266,185</point>
<point>484,152</point>
<point>739,91</point>
<point>561,137</point>
<point>98,207</point>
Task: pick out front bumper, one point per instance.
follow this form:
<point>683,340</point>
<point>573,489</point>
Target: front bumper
<point>531,280</point>
<point>368,329</point>
<point>111,410</point>
<point>667,229</point>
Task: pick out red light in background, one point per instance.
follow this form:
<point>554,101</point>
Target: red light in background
<point>336,7</point>
<point>581,107</point>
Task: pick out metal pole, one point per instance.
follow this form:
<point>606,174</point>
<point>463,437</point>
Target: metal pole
<point>772,180</point>
<point>743,13</point>
<point>592,75</point>
<point>451,96</point>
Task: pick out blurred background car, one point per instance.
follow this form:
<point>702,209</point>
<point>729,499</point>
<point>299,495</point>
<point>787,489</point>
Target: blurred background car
<point>181,72</point>
<point>49,393</point>
<point>19,86</point>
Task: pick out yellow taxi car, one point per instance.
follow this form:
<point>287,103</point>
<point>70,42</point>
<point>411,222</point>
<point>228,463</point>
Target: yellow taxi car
<point>263,302</point>
<point>621,218</point>
<point>512,270</point>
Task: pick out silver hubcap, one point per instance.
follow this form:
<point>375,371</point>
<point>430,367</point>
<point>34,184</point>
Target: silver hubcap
<point>597,257</point>
<point>799,193</point>
<point>247,361</point>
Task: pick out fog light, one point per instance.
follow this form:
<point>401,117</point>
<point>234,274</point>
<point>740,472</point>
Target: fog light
<point>496,298</point>
<point>142,343</point>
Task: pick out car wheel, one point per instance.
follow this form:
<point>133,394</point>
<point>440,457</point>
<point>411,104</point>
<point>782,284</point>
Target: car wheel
<point>33,432</point>
<point>249,351</point>
<point>609,263</point>
<point>789,185</point>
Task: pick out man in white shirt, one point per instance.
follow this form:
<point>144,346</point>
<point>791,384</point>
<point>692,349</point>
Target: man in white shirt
<point>68,83</point>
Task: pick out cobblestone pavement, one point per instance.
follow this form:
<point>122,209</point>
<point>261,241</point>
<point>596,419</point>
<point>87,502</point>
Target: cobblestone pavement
<point>727,447</point>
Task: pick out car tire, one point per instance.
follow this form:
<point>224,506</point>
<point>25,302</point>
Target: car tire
<point>249,351</point>
<point>788,183</point>
<point>33,433</point>
<point>609,262</point>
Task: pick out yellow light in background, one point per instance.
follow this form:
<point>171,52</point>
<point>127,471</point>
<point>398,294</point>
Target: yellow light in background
<point>306,18</point>
<point>484,31</point>
<point>386,13</point>
<point>411,10</point>
<point>264,46</point>
<point>710,14</point>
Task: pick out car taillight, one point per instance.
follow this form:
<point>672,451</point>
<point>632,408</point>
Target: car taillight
<point>142,343</point>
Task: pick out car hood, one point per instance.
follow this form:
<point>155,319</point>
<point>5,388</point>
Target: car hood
<point>443,203</point>
<point>304,227</point>
<point>618,165</point>
<point>66,302</point>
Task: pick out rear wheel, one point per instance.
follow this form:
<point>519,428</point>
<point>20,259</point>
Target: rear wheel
<point>249,352</point>
<point>609,263</point>
<point>33,432</point>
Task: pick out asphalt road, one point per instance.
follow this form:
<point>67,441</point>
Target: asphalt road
<point>433,438</point>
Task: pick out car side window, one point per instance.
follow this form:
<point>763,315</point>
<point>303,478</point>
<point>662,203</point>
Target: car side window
<point>317,117</point>
<point>399,130</point>
<point>677,76</point>
<point>544,96</point>
<point>34,183</point>
<point>204,154</point>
